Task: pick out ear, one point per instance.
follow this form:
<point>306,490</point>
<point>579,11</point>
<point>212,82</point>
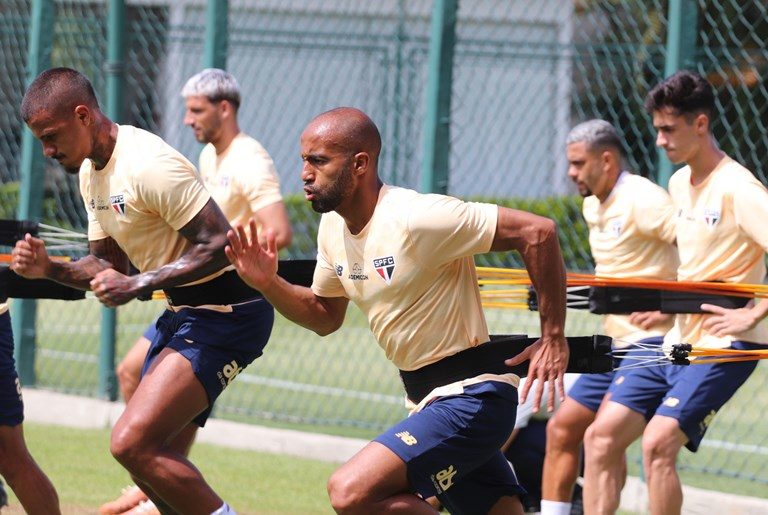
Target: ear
<point>607,158</point>
<point>83,114</point>
<point>701,122</point>
<point>227,109</point>
<point>361,162</point>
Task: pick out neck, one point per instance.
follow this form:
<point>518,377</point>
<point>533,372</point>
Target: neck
<point>359,211</point>
<point>104,140</point>
<point>704,162</point>
<point>613,178</point>
<point>228,133</point>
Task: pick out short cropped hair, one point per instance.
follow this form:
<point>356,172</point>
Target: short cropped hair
<point>687,93</point>
<point>57,91</point>
<point>215,85</point>
<point>597,134</point>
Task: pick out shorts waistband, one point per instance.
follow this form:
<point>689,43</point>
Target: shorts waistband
<point>225,289</point>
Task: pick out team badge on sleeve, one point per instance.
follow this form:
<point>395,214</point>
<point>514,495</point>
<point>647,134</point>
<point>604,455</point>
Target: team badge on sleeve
<point>118,203</point>
<point>385,267</point>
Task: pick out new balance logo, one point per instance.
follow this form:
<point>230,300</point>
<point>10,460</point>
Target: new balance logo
<point>406,437</point>
<point>228,373</point>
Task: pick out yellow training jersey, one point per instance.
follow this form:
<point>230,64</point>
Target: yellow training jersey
<point>721,237</point>
<point>242,179</point>
<point>142,197</point>
<point>411,271</point>
<point>632,235</point>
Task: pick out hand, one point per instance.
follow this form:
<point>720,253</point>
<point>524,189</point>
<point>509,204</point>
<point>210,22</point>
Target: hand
<point>549,360</point>
<point>29,258</point>
<point>647,319</point>
<point>256,265</point>
<point>724,322</point>
<point>113,288</point>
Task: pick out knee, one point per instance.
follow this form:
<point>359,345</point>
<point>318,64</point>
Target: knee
<point>658,450</point>
<point>127,448</point>
<point>127,377</point>
<point>598,442</point>
<point>344,496</point>
<point>559,436</point>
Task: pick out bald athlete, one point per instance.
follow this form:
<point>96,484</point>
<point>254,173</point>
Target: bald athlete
<point>147,204</point>
<point>406,260</point>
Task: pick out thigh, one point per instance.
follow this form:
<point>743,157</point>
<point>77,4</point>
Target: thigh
<point>698,393</point>
<point>11,405</point>
<point>589,389</point>
<point>453,435</point>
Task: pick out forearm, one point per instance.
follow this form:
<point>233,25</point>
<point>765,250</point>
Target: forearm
<point>760,310</point>
<point>198,262</point>
<point>544,262</point>
<point>77,274</point>
<point>300,305</point>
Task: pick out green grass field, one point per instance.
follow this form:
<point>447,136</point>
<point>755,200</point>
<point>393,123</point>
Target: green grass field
<point>343,384</point>
<point>85,474</point>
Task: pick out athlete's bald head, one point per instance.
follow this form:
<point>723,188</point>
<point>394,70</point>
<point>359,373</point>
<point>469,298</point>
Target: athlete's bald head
<point>57,92</point>
<point>348,129</point>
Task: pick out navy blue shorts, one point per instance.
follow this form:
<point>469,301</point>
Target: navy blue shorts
<point>151,330</point>
<point>690,394</point>
<point>589,389</point>
<point>219,345</point>
<point>11,405</point>
<point>452,447</point>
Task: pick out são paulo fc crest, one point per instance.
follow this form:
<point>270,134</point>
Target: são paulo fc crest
<point>385,267</point>
<point>711,217</point>
<point>118,203</point>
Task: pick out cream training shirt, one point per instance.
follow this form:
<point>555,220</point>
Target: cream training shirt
<point>632,235</point>
<point>411,271</point>
<point>142,197</point>
<point>242,179</point>
<point>721,236</point>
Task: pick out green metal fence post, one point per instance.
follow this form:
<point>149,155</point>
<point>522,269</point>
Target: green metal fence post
<point>216,34</point>
<point>682,32</point>
<point>115,70</point>
<point>32,177</point>
<point>434,172</point>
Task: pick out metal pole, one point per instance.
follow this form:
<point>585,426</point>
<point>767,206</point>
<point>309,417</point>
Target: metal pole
<point>32,178</point>
<point>115,70</point>
<point>216,34</point>
<point>682,32</point>
<point>434,173</point>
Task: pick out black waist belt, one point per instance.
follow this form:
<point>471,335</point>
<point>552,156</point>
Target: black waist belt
<point>227,288</point>
<point>613,300</point>
<point>588,354</point>
<point>15,286</point>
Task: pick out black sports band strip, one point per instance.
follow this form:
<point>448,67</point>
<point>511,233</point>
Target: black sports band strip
<point>588,355</point>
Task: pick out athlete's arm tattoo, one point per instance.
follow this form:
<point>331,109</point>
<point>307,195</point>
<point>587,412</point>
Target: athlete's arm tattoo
<point>105,253</point>
<point>208,233</point>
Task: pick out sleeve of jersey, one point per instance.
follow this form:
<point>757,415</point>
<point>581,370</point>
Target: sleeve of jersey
<point>750,207</point>
<point>95,231</point>
<point>325,282</point>
<point>444,228</point>
<point>172,188</point>
<point>260,184</point>
<point>655,214</point>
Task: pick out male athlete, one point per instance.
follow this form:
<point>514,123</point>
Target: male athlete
<point>30,484</point>
<point>147,204</point>
<point>721,209</point>
<point>631,234</point>
<point>406,260</point>
<point>242,180</point>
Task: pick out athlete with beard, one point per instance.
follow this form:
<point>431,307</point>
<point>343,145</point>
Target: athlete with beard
<point>406,260</point>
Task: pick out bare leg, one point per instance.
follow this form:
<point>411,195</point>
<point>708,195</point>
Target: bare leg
<point>374,481</point>
<point>605,442</point>
<point>167,399</point>
<point>662,440</point>
<point>33,488</point>
<point>129,369</point>
<point>565,432</point>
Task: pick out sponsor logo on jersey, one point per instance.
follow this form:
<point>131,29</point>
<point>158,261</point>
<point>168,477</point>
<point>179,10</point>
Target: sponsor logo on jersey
<point>385,267</point>
<point>443,480</point>
<point>711,217</point>
<point>357,273</point>
<point>118,203</point>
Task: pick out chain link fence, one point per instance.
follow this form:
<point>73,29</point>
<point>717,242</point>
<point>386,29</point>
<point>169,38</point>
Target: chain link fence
<point>525,71</point>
